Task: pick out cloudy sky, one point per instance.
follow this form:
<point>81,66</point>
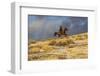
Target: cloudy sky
<point>43,26</point>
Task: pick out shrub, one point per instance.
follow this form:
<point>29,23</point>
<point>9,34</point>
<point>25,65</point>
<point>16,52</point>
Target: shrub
<point>53,42</point>
<point>62,57</point>
<point>47,48</point>
<point>64,42</point>
<point>79,37</point>
<point>70,41</point>
<point>34,50</point>
<point>61,43</point>
<point>71,46</point>
<point>86,36</point>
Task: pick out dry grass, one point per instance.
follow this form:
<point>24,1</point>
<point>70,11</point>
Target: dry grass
<point>77,52</point>
<point>72,47</point>
<point>61,42</point>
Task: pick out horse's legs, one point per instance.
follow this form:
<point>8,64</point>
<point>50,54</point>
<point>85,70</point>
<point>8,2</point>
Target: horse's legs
<point>59,35</point>
<point>55,33</point>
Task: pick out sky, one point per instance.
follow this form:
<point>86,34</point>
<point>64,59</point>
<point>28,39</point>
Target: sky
<point>43,26</point>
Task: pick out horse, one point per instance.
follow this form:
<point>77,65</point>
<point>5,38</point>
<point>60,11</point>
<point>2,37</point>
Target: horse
<point>61,32</point>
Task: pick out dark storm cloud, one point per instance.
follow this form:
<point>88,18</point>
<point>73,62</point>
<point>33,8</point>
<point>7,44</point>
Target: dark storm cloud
<point>42,27</point>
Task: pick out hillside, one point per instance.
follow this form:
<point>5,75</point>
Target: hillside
<point>71,47</point>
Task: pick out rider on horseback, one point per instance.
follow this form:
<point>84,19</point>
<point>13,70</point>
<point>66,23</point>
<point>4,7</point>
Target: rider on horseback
<point>61,32</point>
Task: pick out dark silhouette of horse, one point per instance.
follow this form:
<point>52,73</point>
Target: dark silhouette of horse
<point>61,32</point>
